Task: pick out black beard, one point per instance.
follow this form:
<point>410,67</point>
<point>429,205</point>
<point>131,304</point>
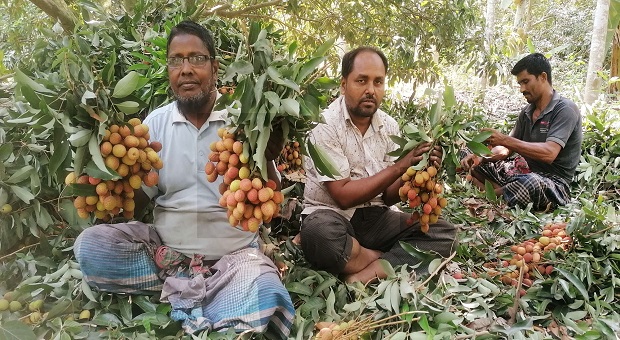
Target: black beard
<point>192,105</point>
<point>357,111</point>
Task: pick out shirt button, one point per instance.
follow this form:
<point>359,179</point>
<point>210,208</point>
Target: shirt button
<point>201,153</point>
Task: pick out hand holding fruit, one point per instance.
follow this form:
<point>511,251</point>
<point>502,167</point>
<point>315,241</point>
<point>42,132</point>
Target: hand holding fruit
<point>416,155</point>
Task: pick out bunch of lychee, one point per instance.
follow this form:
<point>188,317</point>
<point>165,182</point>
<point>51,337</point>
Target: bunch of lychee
<point>422,192</point>
<point>248,198</point>
<point>127,151</point>
<point>290,159</point>
<point>528,256</point>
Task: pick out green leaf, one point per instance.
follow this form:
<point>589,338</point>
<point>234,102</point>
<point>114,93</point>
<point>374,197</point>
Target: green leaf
<point>423,256</point>
<point>93,170</point>
<point>61,307</point>
<point>575,281</point>
<point>80,138</point>
<point>259,153</point>
<point>387,268</point>
<point>444,318</point>
<point>478,148</point>
<point>298,288</point>
<point>448,97</point>
<point>22,193</point>
<point>106,319</point>
<point>145,304</point>
<point>323,48</point>
<point>400,141</point>
<point>6,149</point>
<point>128,107</point>
<point>482,136</point>
<point>258,87</point>
<point>61,150</point>
<point>75,189</point>
<point>16,330</point>
<point>309,67</point>
<point>24,80</point>
<point>489,191</point>
<point>322,162</point>
<point>95,152</point>
<point>240,67</point>
<point>324,285</point>
<point>435,263</point>
<point>87,291</point>
<point>275,75</point>
<point>20,174</point>
<point>291,106</point>
<point>523,325</point>
<point>126,85</point>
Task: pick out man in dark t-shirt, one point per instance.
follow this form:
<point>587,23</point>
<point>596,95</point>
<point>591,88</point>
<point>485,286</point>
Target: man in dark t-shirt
<point>547,135</point>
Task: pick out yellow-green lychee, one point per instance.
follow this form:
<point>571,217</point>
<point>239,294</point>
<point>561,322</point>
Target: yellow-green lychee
<point>84,315</point>
<point>35,317</point>
<point>35,305</point>
<point>4,304</point>
<point>14,306</point>
<point>7,208</point>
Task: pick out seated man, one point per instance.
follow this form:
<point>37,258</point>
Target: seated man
<point>547,135</point>
<point>215,275</point>
<point>348,224</point>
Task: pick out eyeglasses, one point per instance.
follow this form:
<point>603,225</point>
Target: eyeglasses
<point>195,60</point>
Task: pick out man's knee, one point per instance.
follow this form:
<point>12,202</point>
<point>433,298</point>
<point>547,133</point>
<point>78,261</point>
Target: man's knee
<point>326,240</point>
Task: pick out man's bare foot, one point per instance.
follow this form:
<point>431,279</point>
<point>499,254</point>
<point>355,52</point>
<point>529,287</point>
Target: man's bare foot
<point>371,273</point>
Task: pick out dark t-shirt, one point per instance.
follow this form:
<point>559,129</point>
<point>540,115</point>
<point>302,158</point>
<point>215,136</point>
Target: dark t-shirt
<point>560,122</point>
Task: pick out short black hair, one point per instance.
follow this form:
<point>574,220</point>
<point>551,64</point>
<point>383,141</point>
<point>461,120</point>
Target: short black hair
<point>535,63</point>
<point>193,28</point>
<point>349,59</point>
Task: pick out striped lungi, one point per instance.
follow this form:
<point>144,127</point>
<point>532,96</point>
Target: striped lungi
<point>242,290</point>
<point>520,186</point>
<point>544,191</point>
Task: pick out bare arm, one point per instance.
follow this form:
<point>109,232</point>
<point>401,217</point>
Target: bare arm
<point>545,151</point>
<point>349,193</point>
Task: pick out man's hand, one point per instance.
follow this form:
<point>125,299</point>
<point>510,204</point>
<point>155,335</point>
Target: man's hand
<point>436,156</point>
<point>496,137</point>
<point>275,143</point>
<point>470,161</point>
<point>415,156</point>
<point>498,153</point>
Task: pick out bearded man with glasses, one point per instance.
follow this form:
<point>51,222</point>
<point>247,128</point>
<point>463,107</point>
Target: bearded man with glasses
<point>214,276</point>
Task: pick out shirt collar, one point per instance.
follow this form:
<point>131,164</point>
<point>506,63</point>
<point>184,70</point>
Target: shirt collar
<point>555,99</point>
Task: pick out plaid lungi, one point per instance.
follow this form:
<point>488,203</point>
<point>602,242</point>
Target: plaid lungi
<point>242,290</point>
<point>521,187</point>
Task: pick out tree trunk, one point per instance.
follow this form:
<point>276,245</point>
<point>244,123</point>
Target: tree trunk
<point>597,51</point>
<point>489,29</point>
<point>519,14</point>
<point>615,60</point>
<point>58,10</point>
